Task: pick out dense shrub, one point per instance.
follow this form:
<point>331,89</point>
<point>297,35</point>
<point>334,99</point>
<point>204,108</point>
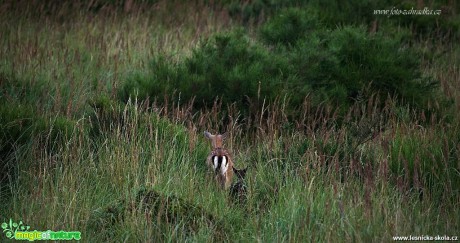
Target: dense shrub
<point>301,58</point>
<point>289,26</point>
<point>347,64</point>
<point>229,66</point>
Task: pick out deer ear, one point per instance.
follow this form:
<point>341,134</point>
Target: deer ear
<point>208,135</point>
<point>224,136</point>
<point>243,172</point>
<point>240,173</point>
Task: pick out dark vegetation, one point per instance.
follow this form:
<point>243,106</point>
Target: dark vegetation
<point>299,56</point>
<point>347,122</point>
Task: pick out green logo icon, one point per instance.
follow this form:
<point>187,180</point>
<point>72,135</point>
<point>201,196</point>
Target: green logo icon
<point>19,231</point>
<point>9,229</point>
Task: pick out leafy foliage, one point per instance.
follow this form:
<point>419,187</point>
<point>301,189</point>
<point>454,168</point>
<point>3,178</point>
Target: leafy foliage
<point>228,66</point>
<point>347,64</point>
<point>289,26</point>
<point>303,58</point>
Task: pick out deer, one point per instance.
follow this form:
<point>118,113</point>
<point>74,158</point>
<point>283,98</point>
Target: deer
<point>238,190</point>
<point>220,160</point>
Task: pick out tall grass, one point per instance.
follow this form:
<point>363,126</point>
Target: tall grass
<point>68,57</point>
<point>295,190</point>
<point>382,171</point>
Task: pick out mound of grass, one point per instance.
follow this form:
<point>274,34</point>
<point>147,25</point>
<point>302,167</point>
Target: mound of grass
<point>20,127</point>
<point>162,210</point>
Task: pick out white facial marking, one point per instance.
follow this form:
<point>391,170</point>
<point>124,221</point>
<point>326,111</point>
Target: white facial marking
<point>216,162</point>
<point>224,165</point>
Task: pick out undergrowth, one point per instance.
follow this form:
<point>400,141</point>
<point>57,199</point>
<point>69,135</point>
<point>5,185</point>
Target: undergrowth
<point>343,132</point>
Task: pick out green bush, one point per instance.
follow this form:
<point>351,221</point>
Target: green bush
<point>333,66</point>
<point>339,65</point>
<point>289,26</point>
<point>229,66</point>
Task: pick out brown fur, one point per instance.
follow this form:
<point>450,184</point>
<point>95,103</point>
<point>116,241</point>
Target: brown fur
<point>238,190</point>
<point>216,140</point>
<point>224,180</point>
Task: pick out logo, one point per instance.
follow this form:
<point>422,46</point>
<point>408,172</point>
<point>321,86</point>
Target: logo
<point>19,231</point>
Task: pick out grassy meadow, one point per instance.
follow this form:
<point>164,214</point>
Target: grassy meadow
<point>350,133</point>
